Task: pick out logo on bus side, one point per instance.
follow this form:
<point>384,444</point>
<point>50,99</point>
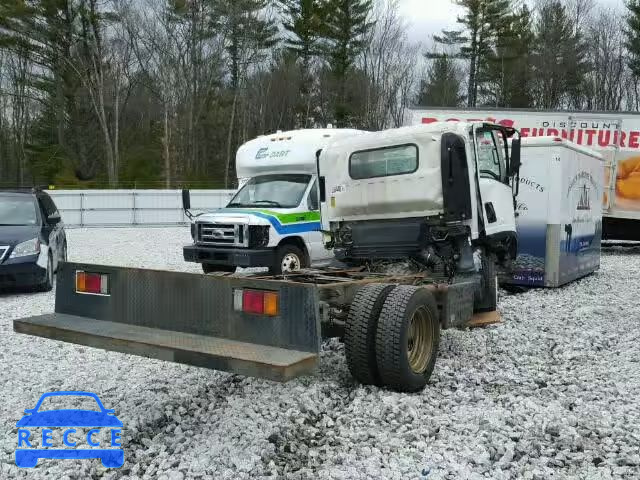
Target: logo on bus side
<point>264,153</point>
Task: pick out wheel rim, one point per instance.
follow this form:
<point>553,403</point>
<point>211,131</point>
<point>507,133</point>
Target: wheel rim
<point>290,263</point>
<point>420,340</point>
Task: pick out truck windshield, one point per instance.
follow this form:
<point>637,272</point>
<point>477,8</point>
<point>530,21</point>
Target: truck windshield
<point>277,191</point>
<point>17,210</point>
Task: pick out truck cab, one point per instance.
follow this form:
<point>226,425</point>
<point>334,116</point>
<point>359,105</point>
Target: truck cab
<point>273,220</point>
<point>442,195</point>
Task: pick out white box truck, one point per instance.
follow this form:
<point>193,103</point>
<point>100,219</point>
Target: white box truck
<point>273,220</point>
<point>599,131</point>
<point>559,216</point>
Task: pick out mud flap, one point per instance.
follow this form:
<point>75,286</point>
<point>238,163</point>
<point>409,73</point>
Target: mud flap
<point>186,318</point>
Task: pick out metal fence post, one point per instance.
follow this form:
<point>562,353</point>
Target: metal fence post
<point>82,209</point>
<point>135,216</point>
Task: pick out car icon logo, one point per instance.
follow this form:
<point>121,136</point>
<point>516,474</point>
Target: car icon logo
<point>67,424</point>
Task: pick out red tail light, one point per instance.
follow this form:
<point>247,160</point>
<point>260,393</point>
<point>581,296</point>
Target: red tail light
<point>253,301</point>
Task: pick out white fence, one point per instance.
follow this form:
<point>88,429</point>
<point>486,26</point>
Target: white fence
<point>118,208</point>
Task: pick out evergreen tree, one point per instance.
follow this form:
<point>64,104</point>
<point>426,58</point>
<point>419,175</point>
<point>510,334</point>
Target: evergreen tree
<point>247,33</point>
<point>347,24</point>
<point>483,19</point>
<point>508,73</point>
<point>559,58</point>
<point>56,35</point>
<point>442,86</point>
<point>303,19</point>
<point>632,32</point>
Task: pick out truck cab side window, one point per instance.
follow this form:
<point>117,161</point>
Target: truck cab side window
<point>491,159</point>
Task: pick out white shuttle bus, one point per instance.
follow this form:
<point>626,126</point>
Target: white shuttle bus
<point>273,220</point>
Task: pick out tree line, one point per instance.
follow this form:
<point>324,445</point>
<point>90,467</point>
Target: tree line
<point>545,54</point>
<point>98,93</point>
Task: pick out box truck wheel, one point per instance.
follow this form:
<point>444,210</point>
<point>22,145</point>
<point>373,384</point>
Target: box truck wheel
<point>211,268</point>
<point>360,332</point>
<point>487,299</point>
<point>289,258</point>
<point>407,338</point>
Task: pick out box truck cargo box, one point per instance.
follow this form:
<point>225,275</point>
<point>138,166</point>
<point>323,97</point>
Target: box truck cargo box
<point>559,213</point>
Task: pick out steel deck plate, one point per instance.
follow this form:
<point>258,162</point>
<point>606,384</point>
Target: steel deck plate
<point>250,359</point>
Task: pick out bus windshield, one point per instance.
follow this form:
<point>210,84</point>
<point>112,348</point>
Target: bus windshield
<point>275,191</point>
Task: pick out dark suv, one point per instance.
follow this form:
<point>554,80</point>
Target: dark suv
<point>32,239</point>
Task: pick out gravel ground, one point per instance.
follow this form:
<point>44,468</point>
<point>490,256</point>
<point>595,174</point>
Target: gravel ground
<point>550,393</point>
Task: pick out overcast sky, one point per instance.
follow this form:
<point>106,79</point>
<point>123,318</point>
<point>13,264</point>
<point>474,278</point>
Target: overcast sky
<point>430,16</point>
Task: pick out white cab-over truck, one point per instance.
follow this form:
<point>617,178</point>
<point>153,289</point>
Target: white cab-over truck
<point>273,220</point>
<point>419,215</point>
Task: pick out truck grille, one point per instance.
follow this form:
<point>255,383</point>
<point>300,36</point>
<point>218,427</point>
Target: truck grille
<point>3,252</point>
<point>222,234</point>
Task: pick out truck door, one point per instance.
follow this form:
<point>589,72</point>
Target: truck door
<point>495,189</point>
<point>315,244</point>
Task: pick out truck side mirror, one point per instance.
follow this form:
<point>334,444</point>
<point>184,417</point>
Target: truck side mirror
<point>54,218</point>
<point>515,162</point>
<point>322,187</point>
<point>186,199</point>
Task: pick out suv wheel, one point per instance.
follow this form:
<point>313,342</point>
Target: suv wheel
<point>289,258</point>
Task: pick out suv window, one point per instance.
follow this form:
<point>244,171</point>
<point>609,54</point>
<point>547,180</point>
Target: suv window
<point>18,210</point>
<point>491,160</point>
<point>383,162</point>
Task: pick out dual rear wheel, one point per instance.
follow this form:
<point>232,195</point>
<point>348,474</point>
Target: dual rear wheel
<point>392,336</point>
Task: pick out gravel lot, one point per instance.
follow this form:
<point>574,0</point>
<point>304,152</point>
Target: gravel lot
<point>553,392</point>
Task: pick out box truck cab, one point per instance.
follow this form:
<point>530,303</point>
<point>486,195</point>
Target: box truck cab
<point>273,220</point>
<point>425,192</point>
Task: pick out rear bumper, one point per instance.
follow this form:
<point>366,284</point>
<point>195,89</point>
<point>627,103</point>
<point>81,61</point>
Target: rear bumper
<point>21,272</point>
<point>238,257</point>
<point>187,318</point>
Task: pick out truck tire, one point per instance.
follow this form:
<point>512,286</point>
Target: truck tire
<point>211,268</point>
<point>289,258</point>
<point>487,300</point>
<point>360,332</point>
<point>407,339</point>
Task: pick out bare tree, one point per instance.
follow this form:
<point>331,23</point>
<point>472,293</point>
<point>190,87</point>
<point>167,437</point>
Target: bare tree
<point>581,12</point>
<point>389,65</point>
<point>606,83</point>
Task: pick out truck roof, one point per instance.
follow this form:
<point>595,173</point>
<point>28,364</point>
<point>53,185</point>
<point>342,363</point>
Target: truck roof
<point>409,134</point>
<point>292,151</point>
